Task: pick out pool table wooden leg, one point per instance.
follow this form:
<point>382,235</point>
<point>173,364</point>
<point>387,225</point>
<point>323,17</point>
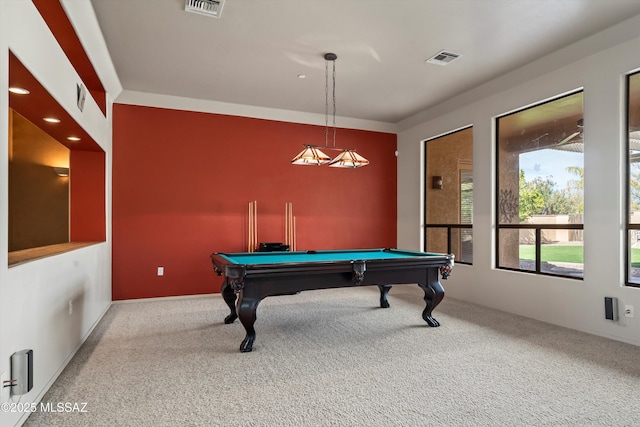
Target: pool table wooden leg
<point>384,291</point>
<point>246,308</point>
<point>433,294</point>
<point>230,298</point>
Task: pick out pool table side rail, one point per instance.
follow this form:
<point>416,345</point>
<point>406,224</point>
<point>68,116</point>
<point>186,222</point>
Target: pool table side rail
<point>223,264</point>
<point>328,255</point>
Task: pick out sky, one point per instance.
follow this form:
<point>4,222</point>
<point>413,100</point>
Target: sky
<point>546,163</point>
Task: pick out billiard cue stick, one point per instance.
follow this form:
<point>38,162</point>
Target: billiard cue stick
<point>249,228</point>
<point>291,225</point>
<point>287,237</point>
<point>294,233</point>
<point>255,227</point>
<point>252,225</point>
<point>286,223</point>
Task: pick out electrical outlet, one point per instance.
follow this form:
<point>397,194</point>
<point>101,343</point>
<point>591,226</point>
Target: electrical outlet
<point>70,307</point>
<point>160,271</point>
<point>5,393</point>
<point>628,311</point>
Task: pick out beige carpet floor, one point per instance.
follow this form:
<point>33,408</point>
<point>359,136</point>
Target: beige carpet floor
<point>333,358</point>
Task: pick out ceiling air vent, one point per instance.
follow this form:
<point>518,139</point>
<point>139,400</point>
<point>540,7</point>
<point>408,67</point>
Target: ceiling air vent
<point>443,58</point>
<point>212,8</point>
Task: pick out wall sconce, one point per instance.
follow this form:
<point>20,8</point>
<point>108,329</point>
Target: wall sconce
<point>60,171</point>
<point>436,182</point>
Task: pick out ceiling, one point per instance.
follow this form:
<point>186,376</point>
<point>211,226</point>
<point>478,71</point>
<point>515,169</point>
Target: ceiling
<point>254,52</point>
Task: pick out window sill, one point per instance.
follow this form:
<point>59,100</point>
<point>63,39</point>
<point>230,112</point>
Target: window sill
<point>26,255</point>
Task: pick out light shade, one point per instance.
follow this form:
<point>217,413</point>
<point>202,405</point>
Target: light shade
<point>311,156</point>
<point>61,171</point>
<point>348,159</point>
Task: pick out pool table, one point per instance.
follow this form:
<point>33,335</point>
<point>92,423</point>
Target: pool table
<point>252,276</point>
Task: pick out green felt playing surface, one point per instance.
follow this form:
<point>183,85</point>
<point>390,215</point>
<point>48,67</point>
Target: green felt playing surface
<point>253,258</point>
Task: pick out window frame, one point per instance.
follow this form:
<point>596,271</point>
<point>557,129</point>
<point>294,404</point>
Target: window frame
<point>538,228</point>
<point>450,227</point>
<point>629,227</point>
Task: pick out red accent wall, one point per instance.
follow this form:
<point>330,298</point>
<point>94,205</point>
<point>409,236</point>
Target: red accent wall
<point>182,182</point>
<point>87,207</point>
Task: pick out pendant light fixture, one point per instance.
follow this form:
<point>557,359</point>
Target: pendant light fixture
<point>348,159</point>
<point>312,155</point>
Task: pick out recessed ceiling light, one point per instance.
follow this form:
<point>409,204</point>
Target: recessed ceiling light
<point>51,120</point>
<point>73,138</point>
<point>302,76</point>
<point>19,90</point>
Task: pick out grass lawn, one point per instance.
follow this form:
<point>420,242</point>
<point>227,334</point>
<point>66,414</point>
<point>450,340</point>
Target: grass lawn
<point>555,253</point>
<point>566,254</point>
<point>635,258</point>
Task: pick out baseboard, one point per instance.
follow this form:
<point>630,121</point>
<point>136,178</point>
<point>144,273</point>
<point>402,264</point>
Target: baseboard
<point>128,301</point>
<point>55,376</point>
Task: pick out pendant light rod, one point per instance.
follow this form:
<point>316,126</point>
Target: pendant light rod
<point>330,57</point>
<point>323,147</point>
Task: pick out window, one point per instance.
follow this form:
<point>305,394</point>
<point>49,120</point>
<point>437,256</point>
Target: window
<point>633,180</point>
<point>540,178</point>
<point>448,183</point>
<point>466,215</point>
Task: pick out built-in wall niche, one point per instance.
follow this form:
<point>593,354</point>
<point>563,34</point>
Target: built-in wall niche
<point>38,193</point>
<point>56,174</point>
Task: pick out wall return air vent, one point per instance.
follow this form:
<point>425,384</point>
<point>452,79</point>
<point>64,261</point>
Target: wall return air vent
<point>212,8</point>
<point>443,58</point>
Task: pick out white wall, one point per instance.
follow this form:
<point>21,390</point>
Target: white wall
<point>599,65</point>
<point>34,297</point>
